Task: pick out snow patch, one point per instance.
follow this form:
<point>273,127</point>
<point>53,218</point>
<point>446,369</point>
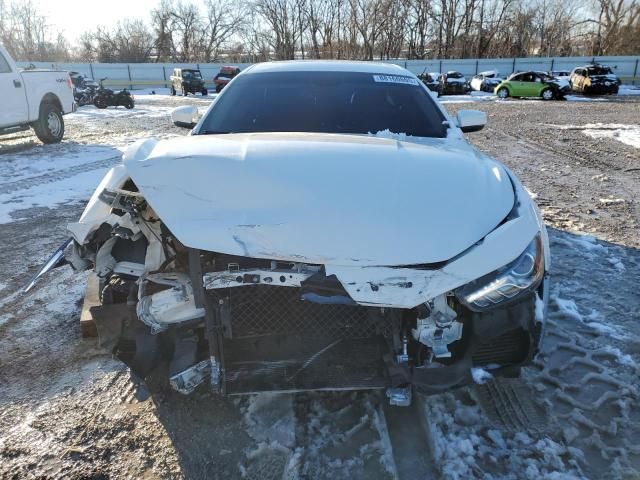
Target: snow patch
<point>480,375</point>
<point>401,137</point>
<point>611,201</point>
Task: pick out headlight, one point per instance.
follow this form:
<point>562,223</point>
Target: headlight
<point>522,275</point>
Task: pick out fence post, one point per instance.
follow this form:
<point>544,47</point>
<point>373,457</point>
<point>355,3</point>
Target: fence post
<point>130,82</point>
<point>513,69</point>
<point>635,72</point>
<point>94,77</point>
<point>164,75</point>
<point>552,62</point>
<point>440,69</point>
<point>476,66</point>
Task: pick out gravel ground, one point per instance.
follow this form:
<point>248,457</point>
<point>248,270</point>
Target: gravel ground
<point>67,410</point>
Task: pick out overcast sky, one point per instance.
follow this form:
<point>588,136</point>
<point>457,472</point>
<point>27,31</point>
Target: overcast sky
<point>75,17</point>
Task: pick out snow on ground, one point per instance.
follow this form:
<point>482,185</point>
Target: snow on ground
<point>47,183</point>
<point>627,134</point>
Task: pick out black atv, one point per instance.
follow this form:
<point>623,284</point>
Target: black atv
<point>105,97</point>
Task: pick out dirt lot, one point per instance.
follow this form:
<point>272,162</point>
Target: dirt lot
<point>67,410</point>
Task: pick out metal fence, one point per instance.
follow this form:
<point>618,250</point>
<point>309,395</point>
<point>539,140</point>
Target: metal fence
<point>149,75</point>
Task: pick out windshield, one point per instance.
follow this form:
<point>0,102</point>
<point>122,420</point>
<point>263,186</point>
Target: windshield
<point>191,74</point>
<point>325,102</point>
<point>454,75</point>
<point>599,70</point>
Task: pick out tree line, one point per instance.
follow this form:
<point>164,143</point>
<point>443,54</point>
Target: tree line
<point>258,30</point>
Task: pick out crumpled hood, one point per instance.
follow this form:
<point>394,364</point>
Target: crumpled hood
<point>322,198</point>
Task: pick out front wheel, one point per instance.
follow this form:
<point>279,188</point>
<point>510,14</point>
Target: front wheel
<point>218,88</point>
<point>49,127</point>
<point>204,92</point>
<point>173,91</point>
<point>184,91</point>
<point>502,93</point>
<point>547,94</point>
<point>128,104</point>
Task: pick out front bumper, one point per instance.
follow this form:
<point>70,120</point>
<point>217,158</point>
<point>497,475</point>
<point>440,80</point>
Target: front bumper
<point>500,341</point>
<point>602,89</point>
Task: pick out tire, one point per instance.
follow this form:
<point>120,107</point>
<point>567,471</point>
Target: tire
<point>502,93</point>
<point>100,103</point>
<point>128,104</point>
<point>218,88</point>
<point>184,91</point>
<point>204,92</point>
<point>49,127</point>
<point>173,91</point>
<point>547,94</point>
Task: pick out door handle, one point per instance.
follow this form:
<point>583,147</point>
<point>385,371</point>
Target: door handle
<point>17,83</point>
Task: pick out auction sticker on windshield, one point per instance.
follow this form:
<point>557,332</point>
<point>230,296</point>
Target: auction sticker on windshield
<point>395,79</point>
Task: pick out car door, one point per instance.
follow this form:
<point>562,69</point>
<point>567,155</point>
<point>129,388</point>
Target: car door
<point>527,85</point>
<point>537,85</point>
<point>516,82</point>
<point>15,109</point>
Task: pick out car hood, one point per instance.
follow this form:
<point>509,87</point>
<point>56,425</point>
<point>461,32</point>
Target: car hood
<point>323,198</point>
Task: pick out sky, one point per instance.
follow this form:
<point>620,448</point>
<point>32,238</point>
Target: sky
<point>75,17</point>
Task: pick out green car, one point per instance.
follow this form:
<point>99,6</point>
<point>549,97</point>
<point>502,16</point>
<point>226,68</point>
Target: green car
<point>533,84</point>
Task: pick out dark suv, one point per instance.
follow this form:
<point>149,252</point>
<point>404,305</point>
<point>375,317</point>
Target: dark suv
<point>187,80</point>
<point>594,79</point>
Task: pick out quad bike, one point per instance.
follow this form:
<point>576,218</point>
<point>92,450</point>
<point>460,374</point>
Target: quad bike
<point>105,97</point>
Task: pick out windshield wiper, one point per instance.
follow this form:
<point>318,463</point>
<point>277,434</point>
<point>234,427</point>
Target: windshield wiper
<point>213,132</point>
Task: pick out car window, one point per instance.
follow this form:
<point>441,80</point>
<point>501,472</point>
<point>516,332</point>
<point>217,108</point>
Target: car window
<point>325,102</point>
<point>516,77</point>
<point>454,75</point>
<point>4,65</point>
<point>599,70</point>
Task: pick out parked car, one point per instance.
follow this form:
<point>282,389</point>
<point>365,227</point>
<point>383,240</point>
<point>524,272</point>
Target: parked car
<point>35,99</point>
<point>453,83</point>
<point>560,74</point>
<point>187,80</point>
<point>532,84</point>
<point>594,79</point>
<point>375,247</point>
<point>224,76</point>
<point>485,81</point>
<point>432,81</point>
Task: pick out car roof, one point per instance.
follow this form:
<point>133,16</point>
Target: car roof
<point>327,66</point>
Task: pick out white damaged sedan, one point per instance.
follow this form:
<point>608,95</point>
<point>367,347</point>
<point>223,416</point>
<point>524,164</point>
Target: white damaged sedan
<point>326,226</point>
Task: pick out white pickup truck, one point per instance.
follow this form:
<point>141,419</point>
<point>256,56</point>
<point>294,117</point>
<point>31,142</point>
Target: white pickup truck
<point>34,99</point>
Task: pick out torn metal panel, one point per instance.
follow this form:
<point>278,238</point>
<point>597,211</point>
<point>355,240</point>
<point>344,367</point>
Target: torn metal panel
<point>185,382</point>
<point>236,277</point>
<point>57,259</point>
<point>168,307</point>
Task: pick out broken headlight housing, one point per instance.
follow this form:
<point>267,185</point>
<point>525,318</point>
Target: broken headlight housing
<point>507,283</point>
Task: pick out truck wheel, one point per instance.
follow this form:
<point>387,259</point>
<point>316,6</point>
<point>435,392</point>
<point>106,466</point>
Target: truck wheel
<point>173,91</point>
<point>204,92</point>
<point>49,127</point>
<point>218,88</point>
<point>185,92</point>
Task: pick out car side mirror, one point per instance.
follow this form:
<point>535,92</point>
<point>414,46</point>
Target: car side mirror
<point>471,120</point>
<point>185,117</point>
